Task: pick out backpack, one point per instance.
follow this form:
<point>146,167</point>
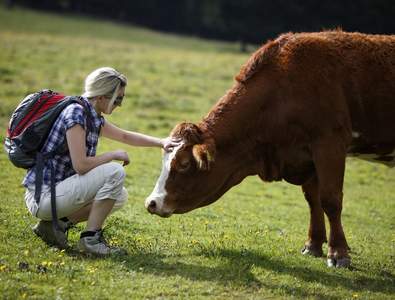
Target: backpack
<point>31,123</point>
<point>28,130</point>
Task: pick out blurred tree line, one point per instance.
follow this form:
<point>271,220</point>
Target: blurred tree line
<point>247,21</point>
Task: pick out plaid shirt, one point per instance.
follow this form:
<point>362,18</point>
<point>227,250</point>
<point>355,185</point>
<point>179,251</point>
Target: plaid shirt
<point>72,115</point>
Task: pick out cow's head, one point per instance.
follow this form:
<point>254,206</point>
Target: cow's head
<point>192,176</point>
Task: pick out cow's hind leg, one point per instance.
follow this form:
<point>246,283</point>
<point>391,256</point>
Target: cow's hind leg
<point>329,155</point>
<point>317,233</point>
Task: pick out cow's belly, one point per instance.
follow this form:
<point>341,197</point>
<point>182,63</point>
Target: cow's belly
<point>297,165</point>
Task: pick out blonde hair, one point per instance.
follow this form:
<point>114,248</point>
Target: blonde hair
<point>104,81</point>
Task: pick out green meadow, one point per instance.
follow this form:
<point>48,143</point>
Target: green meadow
<point>244,246</point>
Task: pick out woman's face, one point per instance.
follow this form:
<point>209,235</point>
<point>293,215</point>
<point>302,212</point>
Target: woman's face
<point>105,105</point>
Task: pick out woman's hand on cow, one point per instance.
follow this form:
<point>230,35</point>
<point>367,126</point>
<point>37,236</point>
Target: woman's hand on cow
<point>121,155</point>
<point>169,143</point>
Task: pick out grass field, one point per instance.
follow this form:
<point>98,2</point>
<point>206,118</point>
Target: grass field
<point>245,246</point>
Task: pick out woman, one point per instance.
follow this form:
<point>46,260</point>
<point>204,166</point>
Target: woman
<point>88,187</point>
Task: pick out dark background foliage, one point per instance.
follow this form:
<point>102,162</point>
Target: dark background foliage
<point>247,21</point>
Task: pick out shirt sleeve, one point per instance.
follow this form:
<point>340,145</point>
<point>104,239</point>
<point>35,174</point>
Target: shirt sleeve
<point>73,115</point>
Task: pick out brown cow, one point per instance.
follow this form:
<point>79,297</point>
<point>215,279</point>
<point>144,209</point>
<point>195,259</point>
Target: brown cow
<point>300,104</point>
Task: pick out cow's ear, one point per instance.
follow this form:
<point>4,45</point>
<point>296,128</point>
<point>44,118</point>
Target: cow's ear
<point>204,154</point>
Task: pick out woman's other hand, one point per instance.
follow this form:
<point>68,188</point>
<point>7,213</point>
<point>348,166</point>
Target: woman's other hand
<point>121,156</point>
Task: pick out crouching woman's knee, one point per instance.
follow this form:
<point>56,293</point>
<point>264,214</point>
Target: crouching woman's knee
<point>115,173</point>
<point>114,177</point>
<point>117,177</point>
<point>121,201</point>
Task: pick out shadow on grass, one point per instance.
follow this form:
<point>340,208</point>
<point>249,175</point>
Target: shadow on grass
<point>237,269</point>
<point>330,278</point>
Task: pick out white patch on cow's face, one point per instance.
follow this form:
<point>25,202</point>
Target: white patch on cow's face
<point>159,193</point>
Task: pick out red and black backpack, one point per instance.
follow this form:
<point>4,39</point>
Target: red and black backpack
<point>31,123</point>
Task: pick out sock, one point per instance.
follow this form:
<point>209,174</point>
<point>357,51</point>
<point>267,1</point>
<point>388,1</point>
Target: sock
<point>88,233</point>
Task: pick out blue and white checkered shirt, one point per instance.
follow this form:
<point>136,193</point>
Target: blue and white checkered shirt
<point>72,115</point>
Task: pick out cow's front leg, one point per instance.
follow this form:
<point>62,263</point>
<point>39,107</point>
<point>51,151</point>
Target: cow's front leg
<point>329,158</point>
<point>317,233</point>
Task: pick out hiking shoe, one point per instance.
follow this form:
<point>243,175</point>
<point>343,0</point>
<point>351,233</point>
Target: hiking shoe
<point>97,245</point>
<point>51,236</point>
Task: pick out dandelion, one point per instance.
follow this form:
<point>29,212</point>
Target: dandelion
<point>92,269</point>
<point>47,263</point>
<point>26,252</point>
<point>355,295</point>
<point>3,268</point>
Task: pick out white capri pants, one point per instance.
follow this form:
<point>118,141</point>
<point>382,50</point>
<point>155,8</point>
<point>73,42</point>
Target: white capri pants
<point>73,193</point>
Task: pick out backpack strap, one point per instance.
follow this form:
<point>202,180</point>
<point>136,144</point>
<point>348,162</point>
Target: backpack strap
<point>88,113</point>
<point>55,222</point>
<point>40,160</point>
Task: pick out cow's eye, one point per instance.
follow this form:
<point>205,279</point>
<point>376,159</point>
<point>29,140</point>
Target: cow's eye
<point>184,166</point>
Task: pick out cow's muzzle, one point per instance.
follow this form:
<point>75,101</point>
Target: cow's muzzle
<point>154,206</point>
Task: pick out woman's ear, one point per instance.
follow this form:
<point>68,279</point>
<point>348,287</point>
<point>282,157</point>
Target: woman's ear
<point>204,154</point>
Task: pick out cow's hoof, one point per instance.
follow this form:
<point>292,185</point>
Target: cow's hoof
<point>309,250</point>
<point>339,263</point>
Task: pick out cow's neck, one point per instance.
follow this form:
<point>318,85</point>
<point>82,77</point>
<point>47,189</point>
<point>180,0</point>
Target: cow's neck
<point>250,144</point>
<point>229,124</point>
<point>230,118</point>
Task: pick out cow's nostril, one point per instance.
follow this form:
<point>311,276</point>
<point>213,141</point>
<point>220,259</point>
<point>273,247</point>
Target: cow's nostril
<point>152,204</point>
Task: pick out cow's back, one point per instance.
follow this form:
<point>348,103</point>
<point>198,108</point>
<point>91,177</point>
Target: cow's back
<point>318,82</point>
<point>336,75</point>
